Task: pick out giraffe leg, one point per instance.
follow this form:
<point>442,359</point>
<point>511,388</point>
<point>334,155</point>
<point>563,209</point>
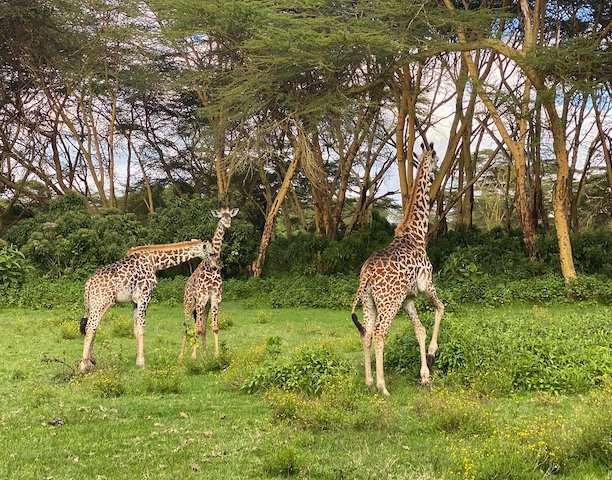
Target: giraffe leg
<point>379,347</point>
<point>421,335</point>
<point>369,312</point>
<point>439,309</point>
<point>139,323</point>
<point>200,327</point>
<point>95,315</point>
<point>215,300</point>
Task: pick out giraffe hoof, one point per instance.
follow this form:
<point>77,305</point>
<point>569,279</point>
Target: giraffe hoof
<point>86,365</point>
<point>431,357</point>
<point>425,382</point>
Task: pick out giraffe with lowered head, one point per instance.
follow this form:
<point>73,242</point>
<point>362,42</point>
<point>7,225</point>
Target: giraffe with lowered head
<point>392,278</point>
<point>132,279</point>
<point>205,287</point>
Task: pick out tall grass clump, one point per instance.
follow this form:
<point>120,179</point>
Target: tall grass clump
<point>524,349</point>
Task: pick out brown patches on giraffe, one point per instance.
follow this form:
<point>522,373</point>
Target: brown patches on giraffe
<point>393,277</point>
<point>204,288</point>
<point>132,279</point>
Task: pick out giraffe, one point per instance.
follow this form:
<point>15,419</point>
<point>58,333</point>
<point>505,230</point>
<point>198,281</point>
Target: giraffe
<point>205,286</point>
<point>132,279</point>
<point>392,278</point>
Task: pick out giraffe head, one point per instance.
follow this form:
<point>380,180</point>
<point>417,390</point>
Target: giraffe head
<point>428,160</point>
<point>225,215</point>
<point>205,250</point>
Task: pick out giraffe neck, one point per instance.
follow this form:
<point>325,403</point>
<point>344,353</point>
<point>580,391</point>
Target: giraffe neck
<point>416,224</point>
<point>170,258</point>
<point>217,240</point>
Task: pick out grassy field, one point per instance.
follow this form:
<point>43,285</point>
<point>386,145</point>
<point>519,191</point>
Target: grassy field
<point>196,421</point>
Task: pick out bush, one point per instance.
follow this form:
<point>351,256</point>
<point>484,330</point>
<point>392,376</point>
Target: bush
<point>525,350</point>
<point>70,240</point>
<point>283,462</point>
<point>343,403</point>
<point>307,371</point>
<point>164,380</point>
<point>69,329</point>
<point>107,383</point>
<point>13,266</point>
<point>246,362</point>
<point>121,324</point>
<point>453,412</point>
<point>187,217</point>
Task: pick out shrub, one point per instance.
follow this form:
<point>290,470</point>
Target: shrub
<point>520,351</point>
<point>247,361</point>
<point>121,324</point>
<point>263,316</point>
<point>107,383</point>
<point>13,266</point>
<point>344,403</point>
<point>164,380</point>
<point>452,412</point>
<point>69,329</point>
<point>307,371</point>
<point>225,320</point>
<point>283,462</point>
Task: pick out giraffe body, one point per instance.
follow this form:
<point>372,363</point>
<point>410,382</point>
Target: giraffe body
<point>204,288</point>
<point>132,279</point>
<point>392,278</point>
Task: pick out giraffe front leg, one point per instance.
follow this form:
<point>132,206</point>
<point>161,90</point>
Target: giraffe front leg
<point>140,313</point>
<point>200,329</point>
<point>87,362</point>
<point>421,335</point>
<point>215,300</point>
<point>439,313</point>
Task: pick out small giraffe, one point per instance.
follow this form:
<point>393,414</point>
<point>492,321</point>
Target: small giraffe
<point>132,279</point>
<point>205,286</point>
<point>392,278</point>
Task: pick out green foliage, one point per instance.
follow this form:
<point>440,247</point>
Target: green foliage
<point>307,371</point>
<point>164,380</point>
<point>120,323</point>
<point>69,329</point>
<point>343,403</point>
<point>69,239</point>
<point>453,411</point>
<point>184,218</point>
<point>307,254</point>
<point>282,462</point>
<point>108,383</point>
<point>13,266</point>
<point>521,351</point>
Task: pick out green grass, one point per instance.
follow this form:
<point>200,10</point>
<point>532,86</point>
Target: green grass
<point>197,422</point>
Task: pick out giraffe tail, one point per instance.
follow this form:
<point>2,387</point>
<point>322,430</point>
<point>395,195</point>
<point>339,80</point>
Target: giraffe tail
<point>358,324</point>
<point>83,325</point>
<point>354,315</point>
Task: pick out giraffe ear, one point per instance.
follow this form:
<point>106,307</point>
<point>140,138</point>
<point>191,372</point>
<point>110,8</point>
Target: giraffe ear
<point>234,212</point>
<point>215,213</point>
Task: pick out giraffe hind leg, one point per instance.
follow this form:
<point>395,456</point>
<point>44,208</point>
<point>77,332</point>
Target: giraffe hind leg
<point>369,312</point>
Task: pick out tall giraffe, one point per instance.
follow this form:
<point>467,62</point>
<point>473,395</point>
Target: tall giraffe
<point>132,279</point>
<point>392,278</point>
<point>205,286</point>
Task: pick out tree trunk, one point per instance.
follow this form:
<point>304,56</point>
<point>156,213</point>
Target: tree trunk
<point>257,266</point>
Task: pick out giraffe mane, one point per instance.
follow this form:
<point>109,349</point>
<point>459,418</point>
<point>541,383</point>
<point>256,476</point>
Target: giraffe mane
<point>163,247</point>
<point>404,224</point>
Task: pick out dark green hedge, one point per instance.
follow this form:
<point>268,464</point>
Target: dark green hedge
<point>321,291</point>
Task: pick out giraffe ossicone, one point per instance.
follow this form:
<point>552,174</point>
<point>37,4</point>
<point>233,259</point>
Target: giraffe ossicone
<point>392,278</point>
<point>132,279</point>
<point>204,289</point>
